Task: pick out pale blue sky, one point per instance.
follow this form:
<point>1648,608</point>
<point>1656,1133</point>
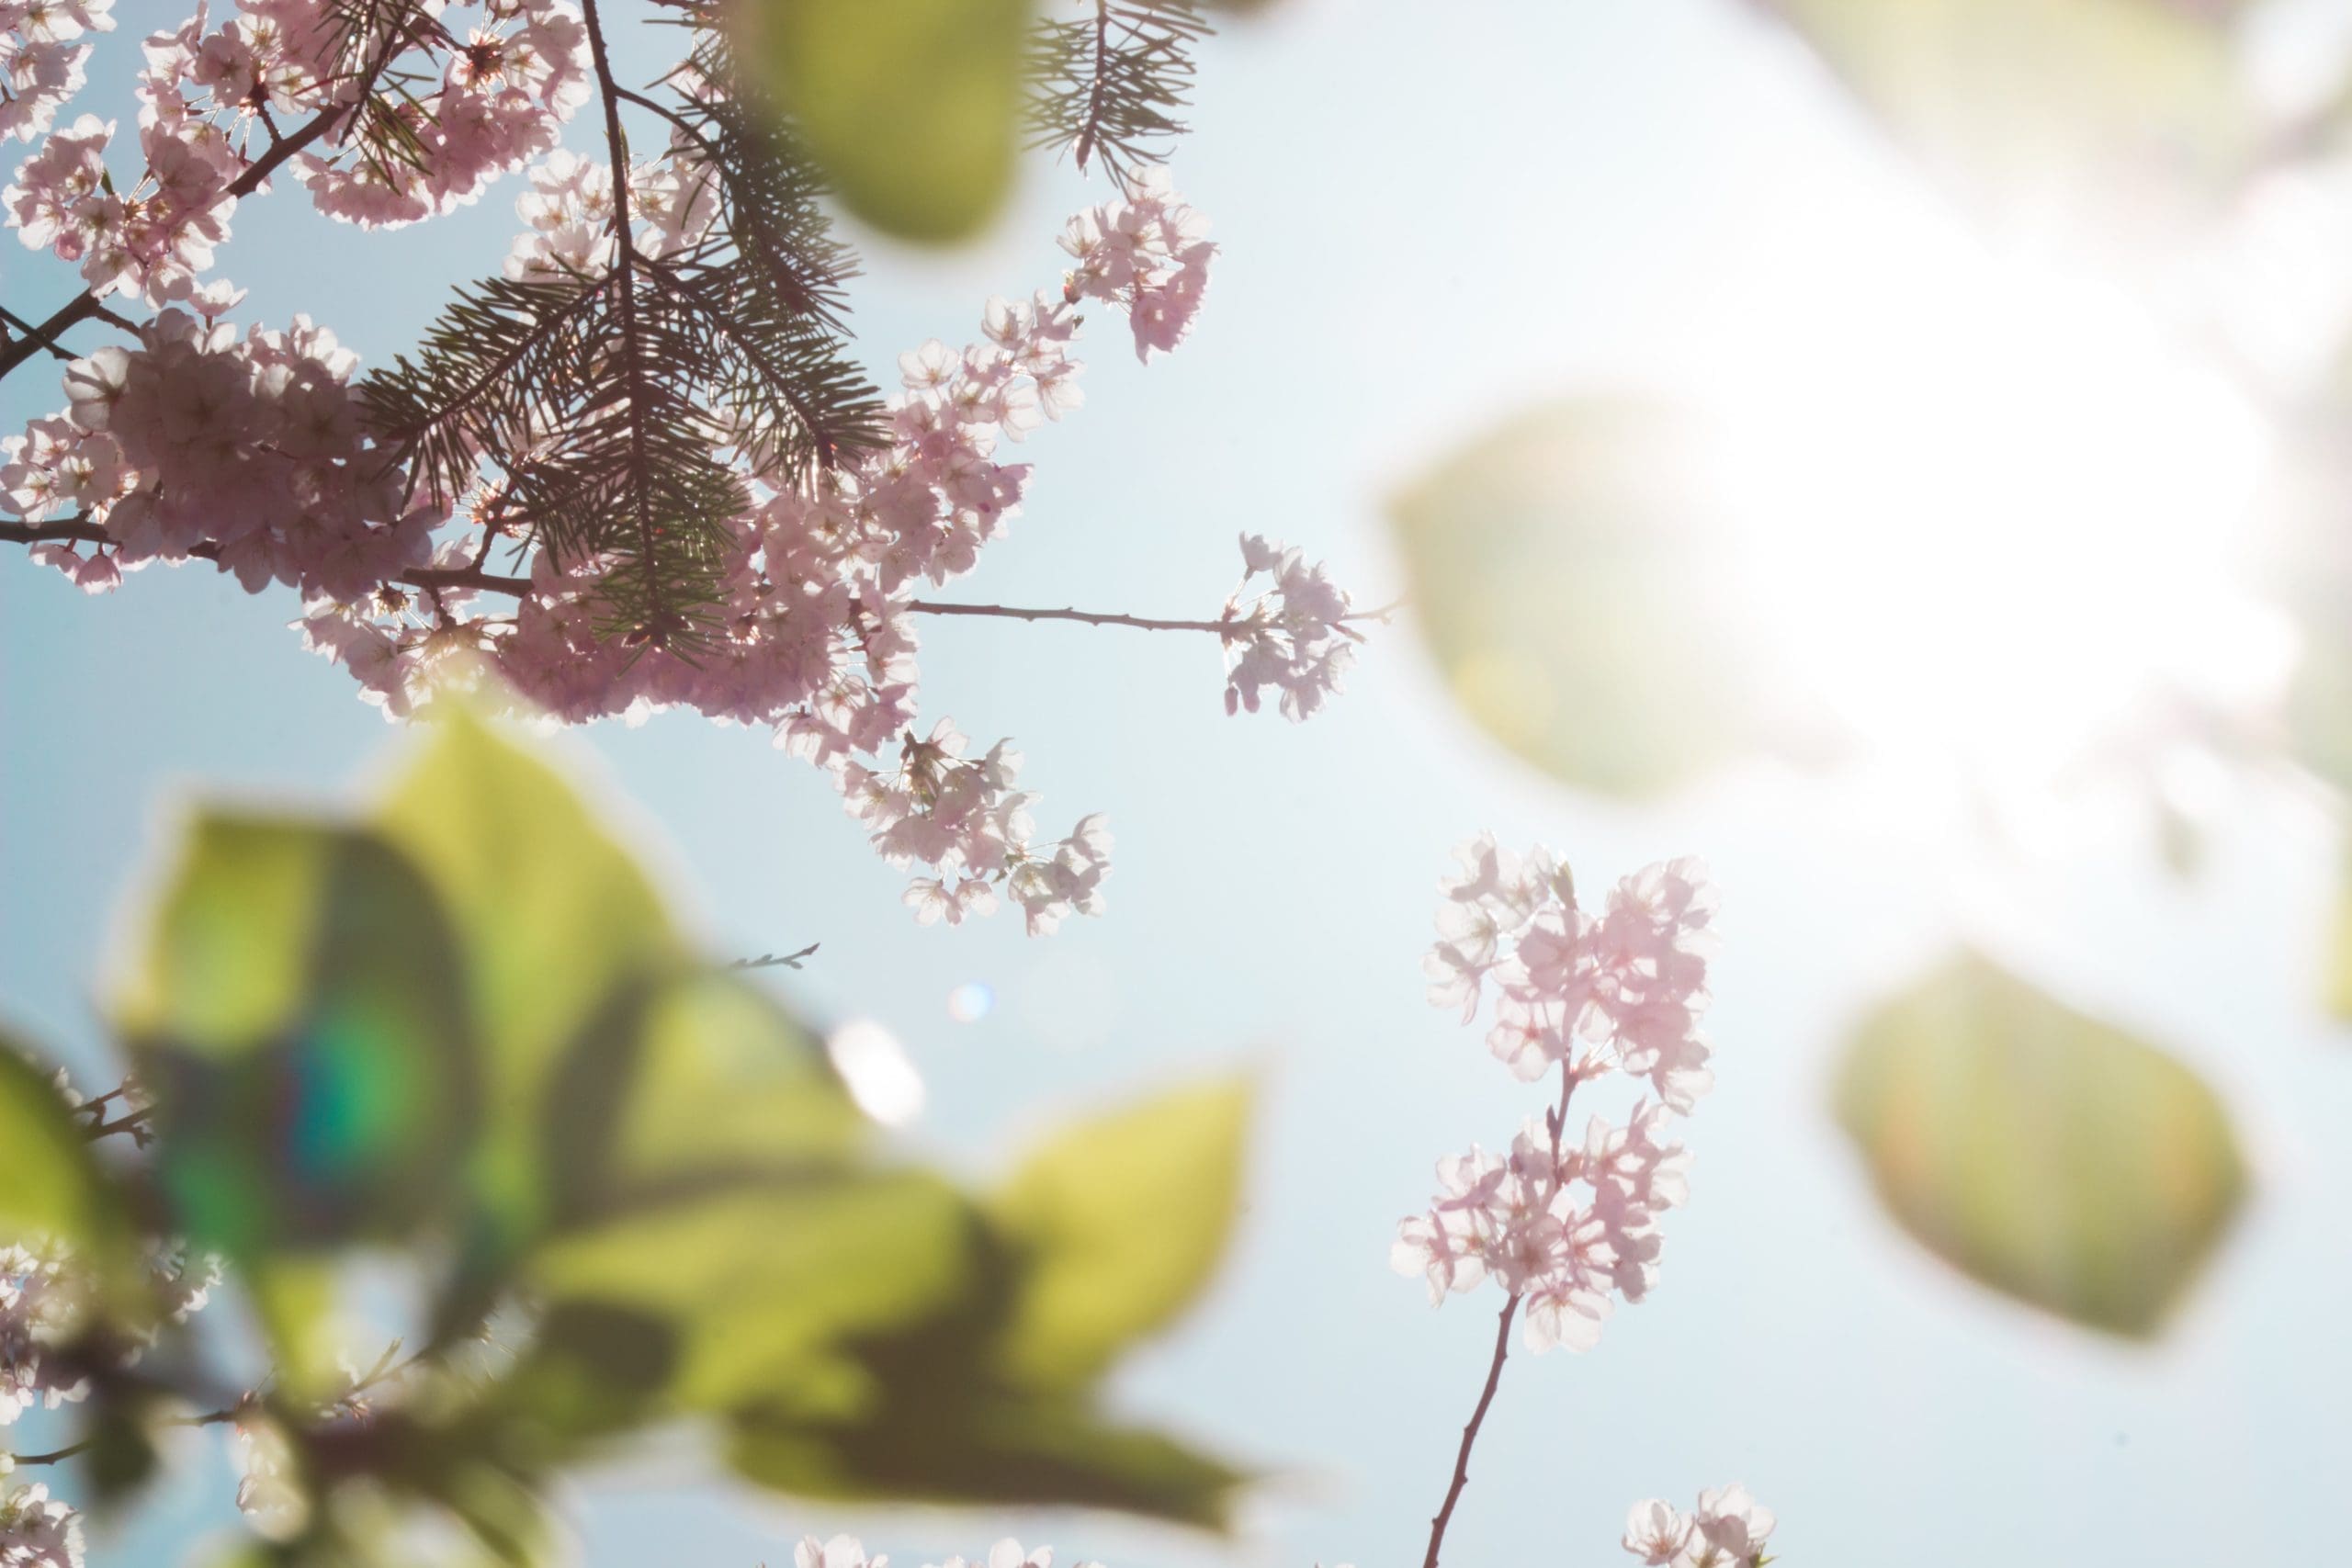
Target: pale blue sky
<point>1429,213</point>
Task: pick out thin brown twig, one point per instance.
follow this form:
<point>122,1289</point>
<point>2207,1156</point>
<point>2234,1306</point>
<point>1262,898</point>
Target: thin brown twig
<point>1089,617</point>
<point>78,530</point>
<point>1556,1120</point>
<point>1470,1431</point>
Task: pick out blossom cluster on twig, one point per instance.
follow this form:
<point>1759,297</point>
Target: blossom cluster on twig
<point>256,451</point>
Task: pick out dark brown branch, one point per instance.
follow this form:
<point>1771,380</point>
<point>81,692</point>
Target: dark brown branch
<point>58,1456</point>
<point>19,324</point>
<point>77,531</point>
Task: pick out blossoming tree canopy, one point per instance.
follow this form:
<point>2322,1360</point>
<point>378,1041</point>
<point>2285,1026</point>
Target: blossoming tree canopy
<point>638,464</point>
<point>628,1186</point>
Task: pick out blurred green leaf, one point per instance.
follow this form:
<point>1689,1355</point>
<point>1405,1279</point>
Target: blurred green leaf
<point>2337,977</point>
<point>2036,109</point>
<point>667,1169</point>
<point>701,1084</point>
<point>555,920</point>
<point>764,1291</point>
<point>51,1184</point>
<point>987,1452</point>
<point>300,1018</point>
<point>912,107</point>
<point>593,1369</point>
<point>121,1458</point>
<point>1569,572</point>
<point>1121,1221</point>
<point>2045,1153</point>
<point>551,912</point>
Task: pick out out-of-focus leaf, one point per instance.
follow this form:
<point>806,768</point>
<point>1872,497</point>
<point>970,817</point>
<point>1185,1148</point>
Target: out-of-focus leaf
<point>121,1457</point>
<point>2050,1155</point>
<point>1570,574</point>
<point>300,1018</point>
<point>2338,978</point>
<point>551,913</point>
<point>912,107</point>
<point>2035,109</point>
<point>994,1452</point>
<point>592,1370</point>
<point>50,1185</point>
<point>701,1084</point>
<point>554,918</point>
<point>1121,1221</point>
<point>765,1289</point>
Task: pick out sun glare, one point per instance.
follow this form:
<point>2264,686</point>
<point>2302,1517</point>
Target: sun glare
<point>1999,523</point>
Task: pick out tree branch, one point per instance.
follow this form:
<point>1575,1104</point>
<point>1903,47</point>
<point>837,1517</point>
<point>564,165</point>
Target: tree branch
<point>1091,617</point>
<point>1555,1120</point>
<point>11,319</point>
<point>57,1456</point>
<point>1470,1432</point>
<point>1224,627</point>
<point>80,531</point>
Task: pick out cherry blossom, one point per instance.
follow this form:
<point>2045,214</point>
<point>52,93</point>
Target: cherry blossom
<point>38,1531</point>
<point>1728,1529</point>
<point>42,60</point>
<point>847,1551</point>
<point>251,449</point>
<point>1149,253</point>
<point>38,1305</point>
<point>1564,1227</point>
<point>1292,635</point>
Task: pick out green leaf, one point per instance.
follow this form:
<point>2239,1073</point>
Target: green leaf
<point>764,1292</point>
<point>1570,573</point>
<point>2034,109</point>
<point>2045,1153</point>
<point>51,1184</point>
<point>912,107</point>
<point>991,1452</point>
<point>2338,976</point>
<point>550,911</point>
<point>702,1084</point>
<point>555,920</point>
<point>1121,1222</point>
<point>300,1018</point>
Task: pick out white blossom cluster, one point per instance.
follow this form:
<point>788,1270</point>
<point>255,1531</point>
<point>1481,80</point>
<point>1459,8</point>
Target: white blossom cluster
<point>1566,1226</point>
<point>1292,633</point>
<point>45,1301</point>
<point>489,102</point>
<point>43,58</point>
<point>847,1551</point>
<point>1728,1529</point>
<point>37,1530</point>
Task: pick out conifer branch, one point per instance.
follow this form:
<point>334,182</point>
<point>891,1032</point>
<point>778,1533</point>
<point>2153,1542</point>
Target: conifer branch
<point>1112,84</point>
